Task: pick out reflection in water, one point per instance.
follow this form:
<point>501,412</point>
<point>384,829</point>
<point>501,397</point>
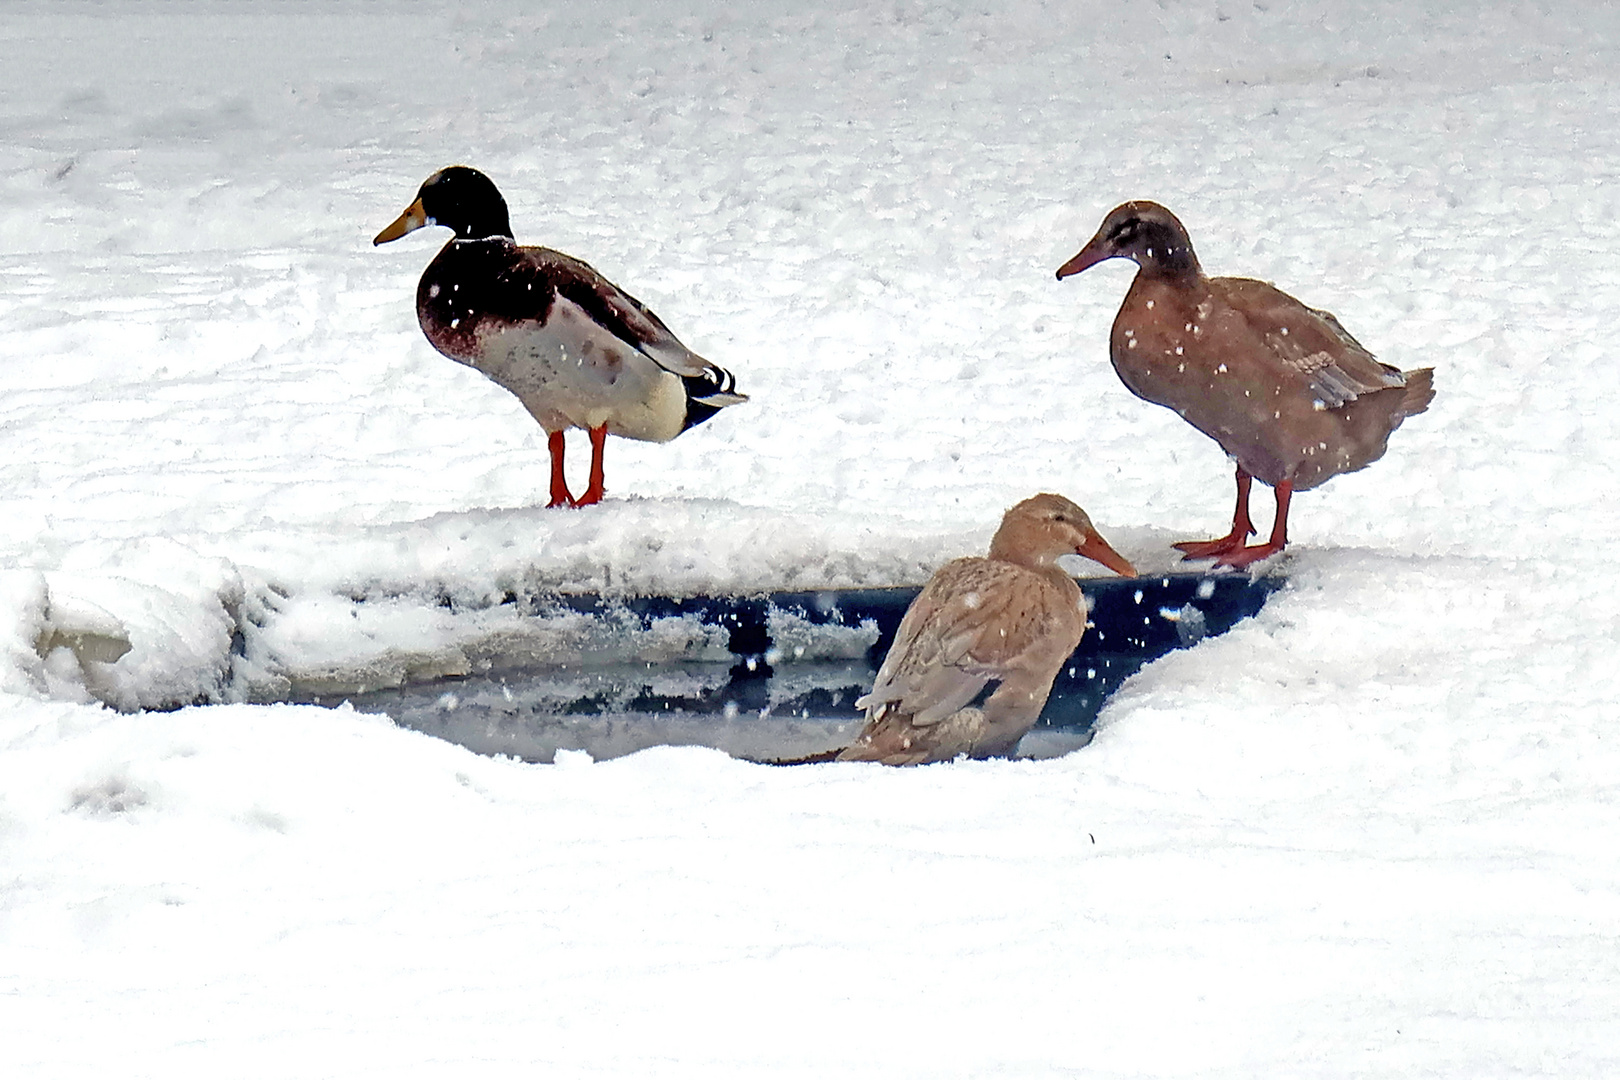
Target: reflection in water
<point>761,714</point>
<point>612,710</point>
<point>777,700</point>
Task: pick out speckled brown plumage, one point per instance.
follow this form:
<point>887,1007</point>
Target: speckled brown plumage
<point>1284,388</point>
<point>974,657</point>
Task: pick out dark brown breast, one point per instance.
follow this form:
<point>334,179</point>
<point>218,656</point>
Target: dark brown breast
<point>471,283</point>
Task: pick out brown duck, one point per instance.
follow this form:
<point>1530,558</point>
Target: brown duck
<point>974,657</point>
<point>1286,391</point>
<point>574,348</point>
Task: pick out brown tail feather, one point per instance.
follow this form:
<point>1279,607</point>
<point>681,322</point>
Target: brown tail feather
<point>1419,391</point>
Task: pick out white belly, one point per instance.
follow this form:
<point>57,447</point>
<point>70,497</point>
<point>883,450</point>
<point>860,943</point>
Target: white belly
<point>572,373</point>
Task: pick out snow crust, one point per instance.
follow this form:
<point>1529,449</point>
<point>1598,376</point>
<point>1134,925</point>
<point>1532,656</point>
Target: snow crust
<point>1370,832</point>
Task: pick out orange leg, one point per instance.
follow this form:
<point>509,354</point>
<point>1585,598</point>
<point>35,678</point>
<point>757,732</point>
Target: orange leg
<point>1242,528</point>
<point>559,484</point>
<point>593,491</point>
<point>1279,535</point>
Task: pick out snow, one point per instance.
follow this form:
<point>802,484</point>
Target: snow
<point>1370,832</point>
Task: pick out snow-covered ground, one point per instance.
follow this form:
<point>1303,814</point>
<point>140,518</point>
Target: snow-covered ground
<point>1371,832</point>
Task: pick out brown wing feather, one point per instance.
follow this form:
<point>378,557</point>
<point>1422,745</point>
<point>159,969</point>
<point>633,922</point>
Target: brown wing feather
<point>1308,341</point>
<point>972,623</point>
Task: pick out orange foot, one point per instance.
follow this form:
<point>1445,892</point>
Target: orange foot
<point>1246,556</point>
<point>560,495</point>
<point>593,490</point>
<point>1214,549</point>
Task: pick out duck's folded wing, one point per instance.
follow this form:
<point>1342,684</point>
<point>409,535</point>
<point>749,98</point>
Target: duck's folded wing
<point>619,313</point>
<point>915,656</point>
<point>1309,342</point>
<point>976,621</point>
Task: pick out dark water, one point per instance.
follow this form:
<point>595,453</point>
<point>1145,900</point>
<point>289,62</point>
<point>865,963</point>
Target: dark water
<point>761,707</point>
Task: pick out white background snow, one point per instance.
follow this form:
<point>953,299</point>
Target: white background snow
<point>1371,832</point>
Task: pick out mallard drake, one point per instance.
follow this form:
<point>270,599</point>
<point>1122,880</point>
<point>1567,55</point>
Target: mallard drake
<point>574,348</point>
<point>975,654</point>
<point>1286,391</point>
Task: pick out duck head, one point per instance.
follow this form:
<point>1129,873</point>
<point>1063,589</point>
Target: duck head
<point>1043,528</point>
<point>458,197</point>
<point>1144,232</point>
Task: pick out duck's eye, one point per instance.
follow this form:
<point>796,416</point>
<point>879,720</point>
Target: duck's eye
<point>1125,231</point>
<point>1060,517</point>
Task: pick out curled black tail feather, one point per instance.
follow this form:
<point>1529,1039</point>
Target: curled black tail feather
<point>707,394</point>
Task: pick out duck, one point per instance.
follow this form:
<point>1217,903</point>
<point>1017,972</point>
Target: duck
<point>575,349</point>
<point>1291,397</point>
<point>975,654</point>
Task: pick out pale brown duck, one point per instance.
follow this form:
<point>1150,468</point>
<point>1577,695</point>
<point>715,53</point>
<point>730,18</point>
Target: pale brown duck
<point>1291,397</point>
<point>974,657</point>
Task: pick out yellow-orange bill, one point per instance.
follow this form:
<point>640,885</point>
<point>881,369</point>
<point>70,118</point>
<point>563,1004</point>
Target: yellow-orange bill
<point>1096,549</point>
<point>412,219</point>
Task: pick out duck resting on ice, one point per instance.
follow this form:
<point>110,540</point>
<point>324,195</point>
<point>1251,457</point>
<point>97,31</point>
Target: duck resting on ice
<point>974,657</point>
